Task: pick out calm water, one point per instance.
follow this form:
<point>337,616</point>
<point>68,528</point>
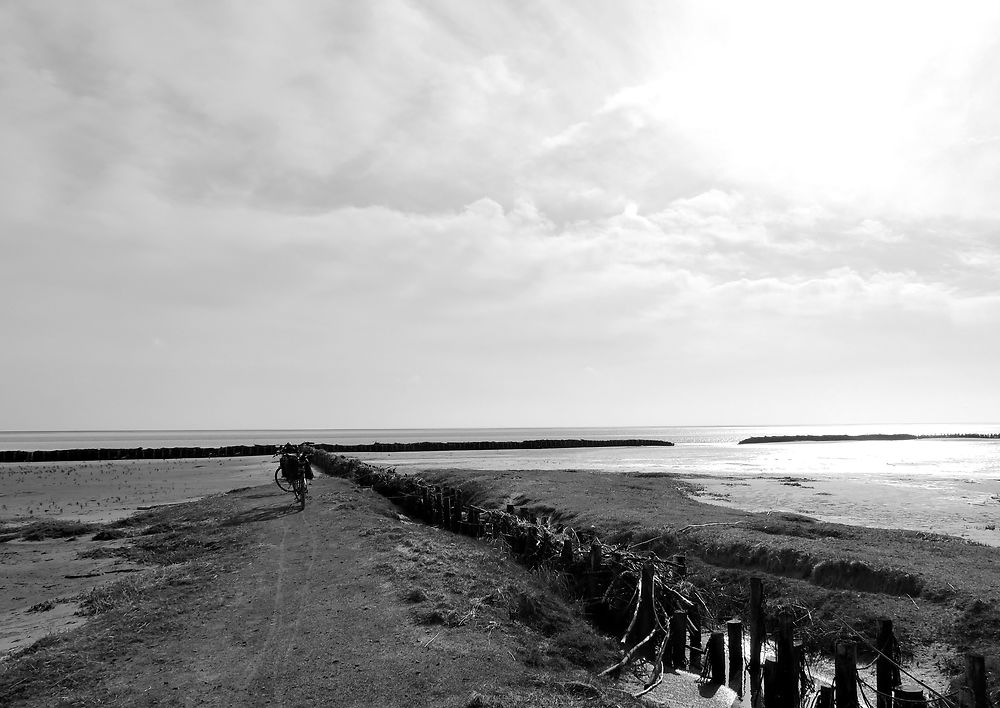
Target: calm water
<point>947,486</point>
<point>697,435</point>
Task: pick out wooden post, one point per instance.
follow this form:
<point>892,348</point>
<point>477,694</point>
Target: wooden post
<point>788,670</point>
<point>567,551</point>
<point>908,697</point>
<point>716,650</point>
<point>645,619</point>
<point>734,628</point>
<point>825,698</point>
<point>886,674</point>
<point>800,659</point>
<point>595,558</point>
<point>678,637</point>
<point>694,625</point>
<point>446,511</point>
<point>846,675</point>
<point>532,541</point>
<point>975,679</point>
<point>593,575</point>
<point>680,565</point>
<point>756,638</point>
<point>772,688</point>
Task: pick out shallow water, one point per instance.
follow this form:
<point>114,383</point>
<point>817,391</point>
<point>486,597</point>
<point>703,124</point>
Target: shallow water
<point>943,486</point>
<point>940,486</point>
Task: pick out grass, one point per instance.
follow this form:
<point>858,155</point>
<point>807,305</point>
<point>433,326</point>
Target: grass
<point>836,579</point>
<point>70,668</point>
<point>74,667</point>
<point>42,530</point>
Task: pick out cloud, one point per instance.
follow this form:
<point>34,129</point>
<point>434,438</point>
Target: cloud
<point>426,192</point>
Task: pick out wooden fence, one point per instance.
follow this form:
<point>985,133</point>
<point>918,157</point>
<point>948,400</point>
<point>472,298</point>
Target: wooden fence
<point>660,615</point>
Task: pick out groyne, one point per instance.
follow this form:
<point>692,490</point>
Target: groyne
<point>172,453</point>
<point>870,436</point>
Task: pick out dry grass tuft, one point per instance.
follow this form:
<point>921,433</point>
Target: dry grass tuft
<point>56,528</point>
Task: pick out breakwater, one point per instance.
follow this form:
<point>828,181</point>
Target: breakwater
<point>871,436</point>
<point>172,453</point>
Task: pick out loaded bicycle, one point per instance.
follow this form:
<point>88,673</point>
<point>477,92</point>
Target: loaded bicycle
<point>294,472</point>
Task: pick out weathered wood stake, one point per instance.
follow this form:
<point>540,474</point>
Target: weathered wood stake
<point>908,697</point>
<point>788,669</point>
<point>975,678</point>
<point>886,673</point>
<point>846,675</point>
<point>716,650</point>
<point>756,638</point>
<point>678,636</point>
<point>593,574</point>
<point>645,617</point>
<point>694,627</point>
<point>734,628</point>
<point>825,698</point>
<point>680,565</point>
<point>772,687</point>
<point>567,551</point>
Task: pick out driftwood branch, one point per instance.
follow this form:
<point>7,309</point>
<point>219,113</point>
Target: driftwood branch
<point>714,523</point>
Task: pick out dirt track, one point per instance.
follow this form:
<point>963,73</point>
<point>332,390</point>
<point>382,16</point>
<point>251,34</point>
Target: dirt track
<point>344,604</point>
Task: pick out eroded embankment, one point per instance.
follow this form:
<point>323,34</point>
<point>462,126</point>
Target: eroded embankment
<point>844,574</point>
<point>724,552</point>
<point>724,598</point>
<point>837,579</point>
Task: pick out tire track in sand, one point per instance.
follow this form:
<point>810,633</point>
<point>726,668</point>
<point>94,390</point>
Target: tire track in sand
<point>292,583</point>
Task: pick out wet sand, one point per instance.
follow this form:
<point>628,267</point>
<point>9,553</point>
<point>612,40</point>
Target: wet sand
<point>965,507</point>
<point>99,492</point>
<point>95,492</point>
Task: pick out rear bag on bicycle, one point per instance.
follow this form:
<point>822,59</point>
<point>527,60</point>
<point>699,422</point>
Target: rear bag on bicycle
<point>289,467</point>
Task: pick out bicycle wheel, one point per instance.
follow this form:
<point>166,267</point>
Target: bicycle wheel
<point>284,485</point>
<point>300,492</point>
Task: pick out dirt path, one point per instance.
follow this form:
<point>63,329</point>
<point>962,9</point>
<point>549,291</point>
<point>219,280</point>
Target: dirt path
<point>344,604</point>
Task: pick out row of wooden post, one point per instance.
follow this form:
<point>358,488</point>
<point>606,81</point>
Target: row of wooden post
<point>775,683</point>
<point>443,506</point>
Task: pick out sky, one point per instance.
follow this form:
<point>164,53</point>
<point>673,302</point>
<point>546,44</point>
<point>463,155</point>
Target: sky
<point>471,213</point>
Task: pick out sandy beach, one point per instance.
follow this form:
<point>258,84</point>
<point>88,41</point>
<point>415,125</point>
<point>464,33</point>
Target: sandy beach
<point>95,493</point>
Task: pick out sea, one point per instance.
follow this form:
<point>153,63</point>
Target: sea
<point>937,485</point>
